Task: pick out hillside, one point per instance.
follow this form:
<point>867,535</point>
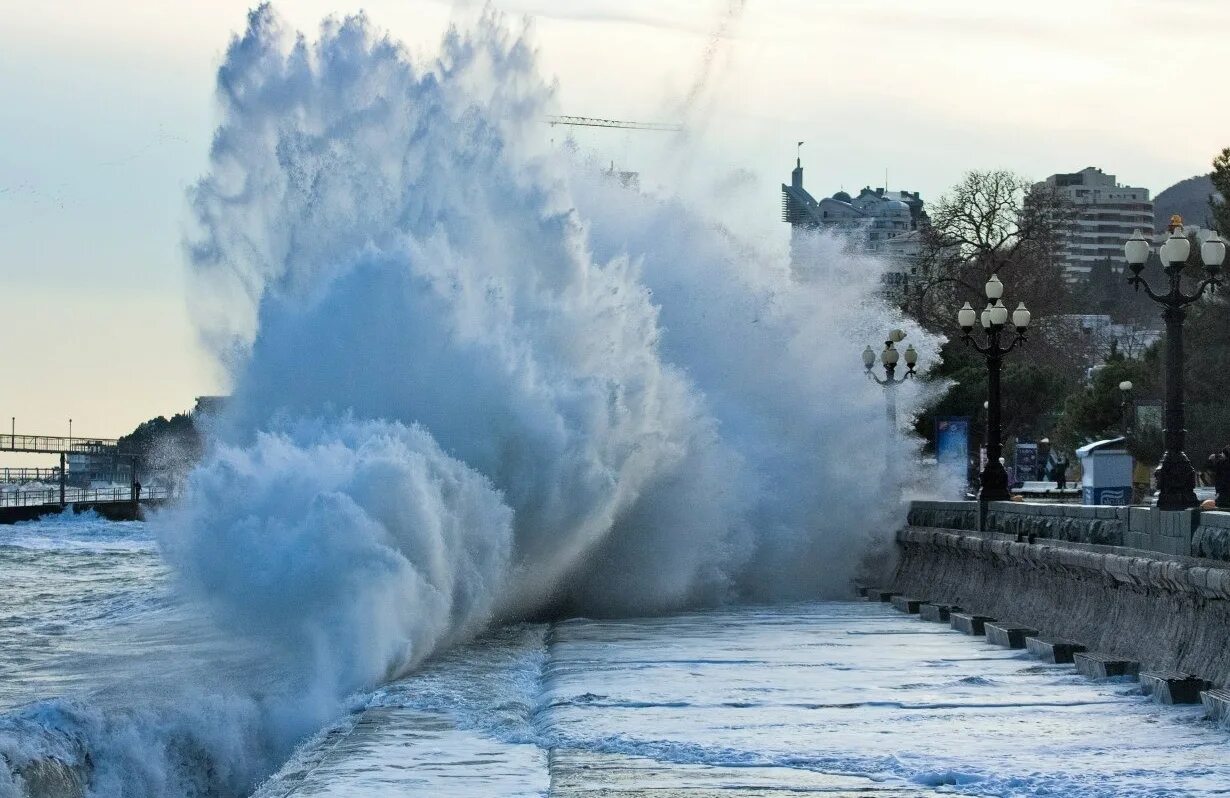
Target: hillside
<point>1189,198</point>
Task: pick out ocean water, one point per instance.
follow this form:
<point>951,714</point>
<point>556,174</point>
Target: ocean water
<point>474,380</point>
<point>800,698</point>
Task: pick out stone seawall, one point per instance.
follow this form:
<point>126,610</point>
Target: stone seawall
<point>1166,611</point>
<point>1186,533</point>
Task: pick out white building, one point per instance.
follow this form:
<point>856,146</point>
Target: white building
<point>887,222</point>
<point>1107,213</point>
<point>1105,336</point>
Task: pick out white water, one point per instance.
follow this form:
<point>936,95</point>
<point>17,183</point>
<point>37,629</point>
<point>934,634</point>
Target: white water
<point>476,380</point>
<point>829,698</point>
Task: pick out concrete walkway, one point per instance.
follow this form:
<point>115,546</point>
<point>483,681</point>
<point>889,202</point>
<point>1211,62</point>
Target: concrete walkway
<point>823,699</point>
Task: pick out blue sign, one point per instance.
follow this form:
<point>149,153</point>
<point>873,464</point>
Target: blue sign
<point>952,441</point>
<point>1107,497</point>
<point>1026,456</point>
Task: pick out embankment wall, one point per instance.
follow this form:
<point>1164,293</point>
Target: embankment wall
<point>1151,602</point>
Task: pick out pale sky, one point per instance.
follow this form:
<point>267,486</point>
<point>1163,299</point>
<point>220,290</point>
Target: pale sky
<point>106,112</point>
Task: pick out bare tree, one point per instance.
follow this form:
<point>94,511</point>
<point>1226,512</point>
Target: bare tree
<point>992,223</point>
<point>1001,223</point>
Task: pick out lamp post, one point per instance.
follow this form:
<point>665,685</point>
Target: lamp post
<point>993,319</point>
<point>890,356</point>
<point>1125,402</point>
<point>1176,479</point>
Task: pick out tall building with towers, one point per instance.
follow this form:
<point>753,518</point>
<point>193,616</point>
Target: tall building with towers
<point>887,222</point>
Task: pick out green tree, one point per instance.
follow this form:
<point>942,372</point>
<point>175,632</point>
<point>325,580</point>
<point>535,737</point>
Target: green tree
<point>1220,206</point>
<point>164,445</point>
<point>1033,393</point>
<point>1207,377</point>
<point>1001,223</point>
<point>1096,412</point>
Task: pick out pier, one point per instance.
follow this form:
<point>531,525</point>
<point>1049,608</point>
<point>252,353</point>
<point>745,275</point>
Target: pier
<point>21,502</point>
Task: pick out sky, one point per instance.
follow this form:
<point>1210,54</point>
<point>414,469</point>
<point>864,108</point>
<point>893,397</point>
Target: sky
<point>107,108</point>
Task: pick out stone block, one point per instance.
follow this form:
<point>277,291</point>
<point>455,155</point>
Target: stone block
<point>937,613</point>
<point>1056,651</point>
<point>1138,569</point>
<point>1171,687</point>
<point>1143,520</point>
<point>1198,580</point>
<point>1008,635</point>
<point>906,604</point>
<point>1218,581</point>
<point>1216,704</point>
<point>1101,666</point>
<point>967,623</point>
<point>881,595</point>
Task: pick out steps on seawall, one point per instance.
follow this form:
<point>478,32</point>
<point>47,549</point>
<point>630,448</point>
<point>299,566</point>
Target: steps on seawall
<point>1172,687</point>
<point>1216,704</point>
<point>1101,666</point>
<point>937,613</point>
<point>1008,635</point>
<point>1058,652</point>
<point>909,606</point>
<point>969,623</point>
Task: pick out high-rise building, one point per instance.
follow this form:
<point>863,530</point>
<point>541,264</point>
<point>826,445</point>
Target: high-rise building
<point>1107,214</point>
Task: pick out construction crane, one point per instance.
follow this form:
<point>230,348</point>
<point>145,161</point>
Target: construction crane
<point>587,121</point>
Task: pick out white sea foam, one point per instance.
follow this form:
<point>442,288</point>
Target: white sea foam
<point>601,400</point>
<point>473,378</point>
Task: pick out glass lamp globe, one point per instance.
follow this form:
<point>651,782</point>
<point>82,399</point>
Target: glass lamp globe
<point>1213,253</point>
<point>994,288</point>
<point>1136,250</point>
<point>966,317</point>
<point>1176,249</point>
<point>999,313</point>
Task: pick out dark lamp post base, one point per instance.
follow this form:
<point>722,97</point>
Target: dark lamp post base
<point>1176,482</point>
<point>994,484</point>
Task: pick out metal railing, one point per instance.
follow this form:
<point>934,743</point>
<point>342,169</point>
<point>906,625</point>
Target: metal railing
<point>29,475</point>
<point>54,444</point>
<point>51,496</point>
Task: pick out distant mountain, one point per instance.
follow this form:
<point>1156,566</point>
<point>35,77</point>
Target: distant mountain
<point>1189,198</point>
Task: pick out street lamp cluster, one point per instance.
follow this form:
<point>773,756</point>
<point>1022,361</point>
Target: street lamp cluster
<point>1003,331</point>
<point>1176,478</point>
<point>890,356</point>
<point>993,319</point>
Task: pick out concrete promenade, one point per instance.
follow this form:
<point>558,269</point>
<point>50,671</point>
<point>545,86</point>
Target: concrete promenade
<point>836,698</point>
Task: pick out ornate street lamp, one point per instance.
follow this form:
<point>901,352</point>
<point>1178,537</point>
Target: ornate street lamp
<point>889,358</point>
<point>993,319</point>
<point>1176,479</point>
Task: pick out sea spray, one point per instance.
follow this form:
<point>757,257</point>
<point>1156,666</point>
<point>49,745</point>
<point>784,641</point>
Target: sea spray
<point>649,413</point>
<point>475,380</point>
